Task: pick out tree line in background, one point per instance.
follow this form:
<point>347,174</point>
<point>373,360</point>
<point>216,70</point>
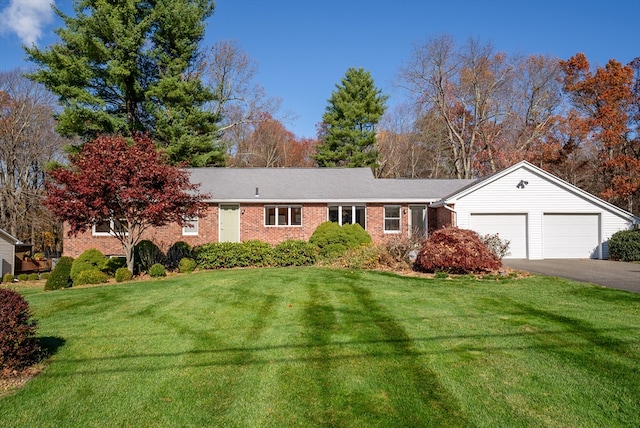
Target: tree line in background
<point>469,111</point>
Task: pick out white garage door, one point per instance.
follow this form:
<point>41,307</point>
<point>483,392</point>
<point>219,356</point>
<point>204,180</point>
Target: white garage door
<point>512,227</point>
<point>570,236</point>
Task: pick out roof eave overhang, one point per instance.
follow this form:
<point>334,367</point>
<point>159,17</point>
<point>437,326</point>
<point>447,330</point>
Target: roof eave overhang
<point>322,201</point>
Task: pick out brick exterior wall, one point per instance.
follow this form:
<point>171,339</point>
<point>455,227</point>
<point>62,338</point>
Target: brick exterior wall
<point>444,217</point>
<point>252,226</point>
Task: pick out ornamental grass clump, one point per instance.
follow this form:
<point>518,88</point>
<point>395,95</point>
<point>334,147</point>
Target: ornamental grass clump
<point>455,251</point>
<point>18,345</point>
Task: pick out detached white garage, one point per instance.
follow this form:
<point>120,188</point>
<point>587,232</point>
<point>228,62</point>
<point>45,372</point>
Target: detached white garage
<point>512,227</point>
<point>541,215</point>
<point>570,236</point>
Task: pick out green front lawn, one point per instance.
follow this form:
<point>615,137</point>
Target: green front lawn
<point>322,347</point>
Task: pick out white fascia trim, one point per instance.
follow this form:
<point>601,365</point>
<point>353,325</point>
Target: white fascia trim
<point>321,201</point>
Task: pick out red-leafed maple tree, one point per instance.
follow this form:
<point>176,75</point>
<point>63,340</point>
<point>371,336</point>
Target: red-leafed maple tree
<point>127,183</point>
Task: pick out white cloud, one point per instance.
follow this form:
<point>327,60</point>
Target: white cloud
<point>26,18</point>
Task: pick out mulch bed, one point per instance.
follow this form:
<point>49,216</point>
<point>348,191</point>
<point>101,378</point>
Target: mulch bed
<point>12,380</point>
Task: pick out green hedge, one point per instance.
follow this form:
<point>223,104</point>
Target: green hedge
<point>225,255</point>
<point>625,246</point>
<point>294,253</point>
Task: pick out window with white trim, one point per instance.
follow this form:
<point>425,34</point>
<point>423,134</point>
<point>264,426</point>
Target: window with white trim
<point>190,226</point>
<point>348,214</point>
<point>283,215</point>
<point>108,227</point>
<point>392,218</point>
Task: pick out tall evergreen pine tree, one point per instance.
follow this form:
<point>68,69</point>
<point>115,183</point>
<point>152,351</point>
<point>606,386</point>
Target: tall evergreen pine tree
<point>354,109</point>
<point>127,66</point>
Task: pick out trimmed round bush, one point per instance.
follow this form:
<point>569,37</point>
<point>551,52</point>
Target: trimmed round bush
<point>123,274</point>
<point>186,265</point>
<point>293,252</point>
<point>33,277</point>
<point>93,276</point>
<point>333,240</point>
<point>91,259</point>
<point>7,278</point>
<point>355,235</point>
<point>176,253</point>
<point>23,277</point>
<point>147,254</point>
<point>157,270</point>
<point>625,246</point>
<point>18,345</point>
<point>456,251</point>
<point>61,275</point>
<point>45,275</point>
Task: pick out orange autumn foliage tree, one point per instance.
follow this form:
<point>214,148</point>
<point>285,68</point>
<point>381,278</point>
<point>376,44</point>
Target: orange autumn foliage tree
<point>603,103</point>
<point>271,145</point>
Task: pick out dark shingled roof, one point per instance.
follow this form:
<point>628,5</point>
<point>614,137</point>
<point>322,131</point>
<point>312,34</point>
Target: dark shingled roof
<point>316,185</point>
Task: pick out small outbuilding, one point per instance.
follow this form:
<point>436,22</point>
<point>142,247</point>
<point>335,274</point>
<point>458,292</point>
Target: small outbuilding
<point>541,215</point>
<point>8,245</point>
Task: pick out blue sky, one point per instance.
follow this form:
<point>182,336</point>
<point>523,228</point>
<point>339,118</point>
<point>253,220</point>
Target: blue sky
<point>304,47</point>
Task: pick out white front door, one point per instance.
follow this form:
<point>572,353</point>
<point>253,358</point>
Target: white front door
<point>229,223</point>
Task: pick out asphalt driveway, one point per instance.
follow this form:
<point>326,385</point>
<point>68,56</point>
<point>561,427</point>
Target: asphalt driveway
<point>621,275</point>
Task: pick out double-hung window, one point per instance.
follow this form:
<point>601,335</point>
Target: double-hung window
<point>283,215</point>
<point>392,218</point>
<point>348,214</point>
<point>108,227</point>
<point>190,226</point>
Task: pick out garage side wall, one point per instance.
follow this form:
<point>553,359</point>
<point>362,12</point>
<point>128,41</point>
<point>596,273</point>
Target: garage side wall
<point>529,193</point>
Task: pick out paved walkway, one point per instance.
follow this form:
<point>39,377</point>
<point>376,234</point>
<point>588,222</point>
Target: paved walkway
<point>624,276</point>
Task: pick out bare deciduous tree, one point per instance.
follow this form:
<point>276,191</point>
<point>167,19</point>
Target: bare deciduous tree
<point>240,103</point>
<point>464,88</point>
<point>411,146</point>
<point>27,143</point>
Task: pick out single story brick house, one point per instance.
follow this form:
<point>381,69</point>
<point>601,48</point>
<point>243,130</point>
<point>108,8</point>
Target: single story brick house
<point>536,211</point>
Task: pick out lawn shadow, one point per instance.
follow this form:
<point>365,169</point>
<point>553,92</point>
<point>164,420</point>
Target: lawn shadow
<point>49,345</point>
<point>445,410</point>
